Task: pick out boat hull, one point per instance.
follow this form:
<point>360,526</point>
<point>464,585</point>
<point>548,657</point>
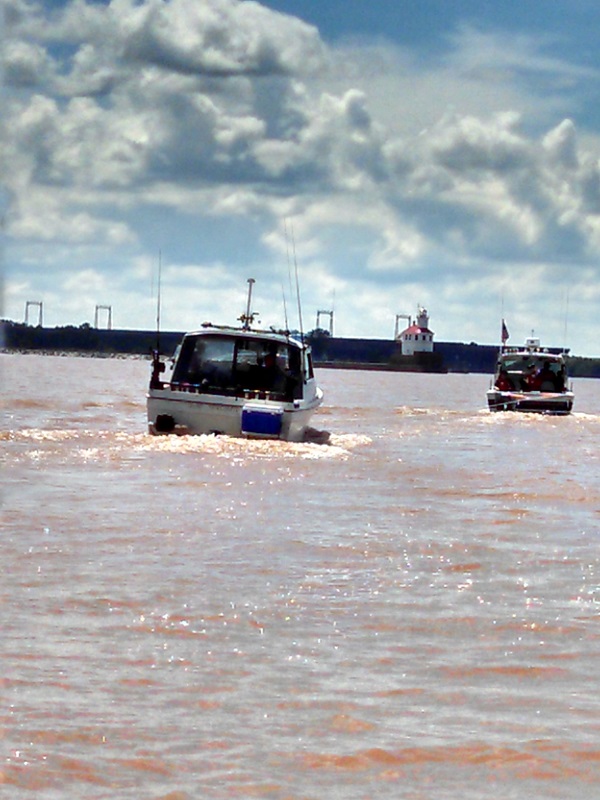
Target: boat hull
<point>558,403</point>
<point>187,413</point>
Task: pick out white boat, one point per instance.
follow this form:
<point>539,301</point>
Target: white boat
<point>530,378</point>
<point>235,381</point>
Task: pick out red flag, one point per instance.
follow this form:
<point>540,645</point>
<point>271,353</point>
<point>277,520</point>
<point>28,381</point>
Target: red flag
<point>504,335</point>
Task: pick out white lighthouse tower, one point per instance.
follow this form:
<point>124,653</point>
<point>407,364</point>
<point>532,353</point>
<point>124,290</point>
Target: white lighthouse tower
<point>417,338</point>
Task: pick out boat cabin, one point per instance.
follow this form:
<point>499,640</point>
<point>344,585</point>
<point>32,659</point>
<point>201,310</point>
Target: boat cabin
<point>241,363</point>
<point>527,371</point>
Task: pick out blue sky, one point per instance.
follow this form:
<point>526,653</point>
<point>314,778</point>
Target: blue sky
<point>425,25</point>
<point>403,154</point>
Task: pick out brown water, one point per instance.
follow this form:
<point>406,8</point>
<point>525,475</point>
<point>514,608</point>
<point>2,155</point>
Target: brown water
<point>411,611</point>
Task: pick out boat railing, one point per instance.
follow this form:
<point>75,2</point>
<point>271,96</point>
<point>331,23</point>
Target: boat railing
<point>283,332</point>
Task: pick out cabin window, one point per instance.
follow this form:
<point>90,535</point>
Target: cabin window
<point>206,362</point>
<point>237,364</point>
<point>267,366</point>
<point>532,372</point>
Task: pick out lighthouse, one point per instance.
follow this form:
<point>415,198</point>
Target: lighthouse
<point>417,338</point>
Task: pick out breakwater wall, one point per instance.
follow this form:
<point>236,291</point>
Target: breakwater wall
<point>333,351</point>
<point>353,353</point>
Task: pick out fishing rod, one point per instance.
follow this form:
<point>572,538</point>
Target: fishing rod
<point>157,365</point>
<point>291,236</point>
<point>158,302</point>
<point>566,322</point>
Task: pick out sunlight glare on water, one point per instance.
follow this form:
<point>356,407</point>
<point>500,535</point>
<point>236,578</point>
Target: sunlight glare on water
<point>408,611</point>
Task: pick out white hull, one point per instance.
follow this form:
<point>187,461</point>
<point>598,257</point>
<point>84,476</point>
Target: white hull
<point>535,402</point>
<point>188,413</point>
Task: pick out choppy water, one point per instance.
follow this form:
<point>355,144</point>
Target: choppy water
<point>411,611</point>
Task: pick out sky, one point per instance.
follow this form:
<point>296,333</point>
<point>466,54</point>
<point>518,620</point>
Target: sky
<point>350,156</point>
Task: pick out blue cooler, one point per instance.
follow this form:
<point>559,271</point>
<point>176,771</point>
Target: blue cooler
<point>261,421</point>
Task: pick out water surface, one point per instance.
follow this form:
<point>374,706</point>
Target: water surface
<point>410,611</point>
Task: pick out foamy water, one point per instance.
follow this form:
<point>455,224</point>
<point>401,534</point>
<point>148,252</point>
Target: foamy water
<point>410,611</point>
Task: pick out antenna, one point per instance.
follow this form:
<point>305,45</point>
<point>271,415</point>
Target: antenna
<point>297,287</point>
<point>302,361</point>
<point>285,314</point>
<point>246,319</point>
<point>287,253</point>
<point>566,321</point>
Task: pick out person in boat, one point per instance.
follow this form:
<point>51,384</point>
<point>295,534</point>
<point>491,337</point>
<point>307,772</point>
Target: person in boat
<point>273,375</point>
<point>281,372</point>
<point>546,379</point>
<point>270,360</point>
<point>503,381</point>
<point>530,380</point>
<point>560,379</point>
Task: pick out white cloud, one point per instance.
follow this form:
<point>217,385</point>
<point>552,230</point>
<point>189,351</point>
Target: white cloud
<point>23,63</point>
<point>218,38</point>
<point>401,176</point>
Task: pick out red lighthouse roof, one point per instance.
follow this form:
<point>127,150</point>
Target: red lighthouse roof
<point>416,329</point>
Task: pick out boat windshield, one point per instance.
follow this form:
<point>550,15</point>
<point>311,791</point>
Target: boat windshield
<point>530,372</point>
<point>232,365</point>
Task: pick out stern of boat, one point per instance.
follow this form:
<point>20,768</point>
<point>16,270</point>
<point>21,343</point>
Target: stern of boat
<point>556,403</point>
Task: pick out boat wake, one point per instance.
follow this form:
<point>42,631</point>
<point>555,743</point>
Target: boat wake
<point>96,446</point>
<point>503,417</point>
<point>317,445</point>
<point>413,411</point>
